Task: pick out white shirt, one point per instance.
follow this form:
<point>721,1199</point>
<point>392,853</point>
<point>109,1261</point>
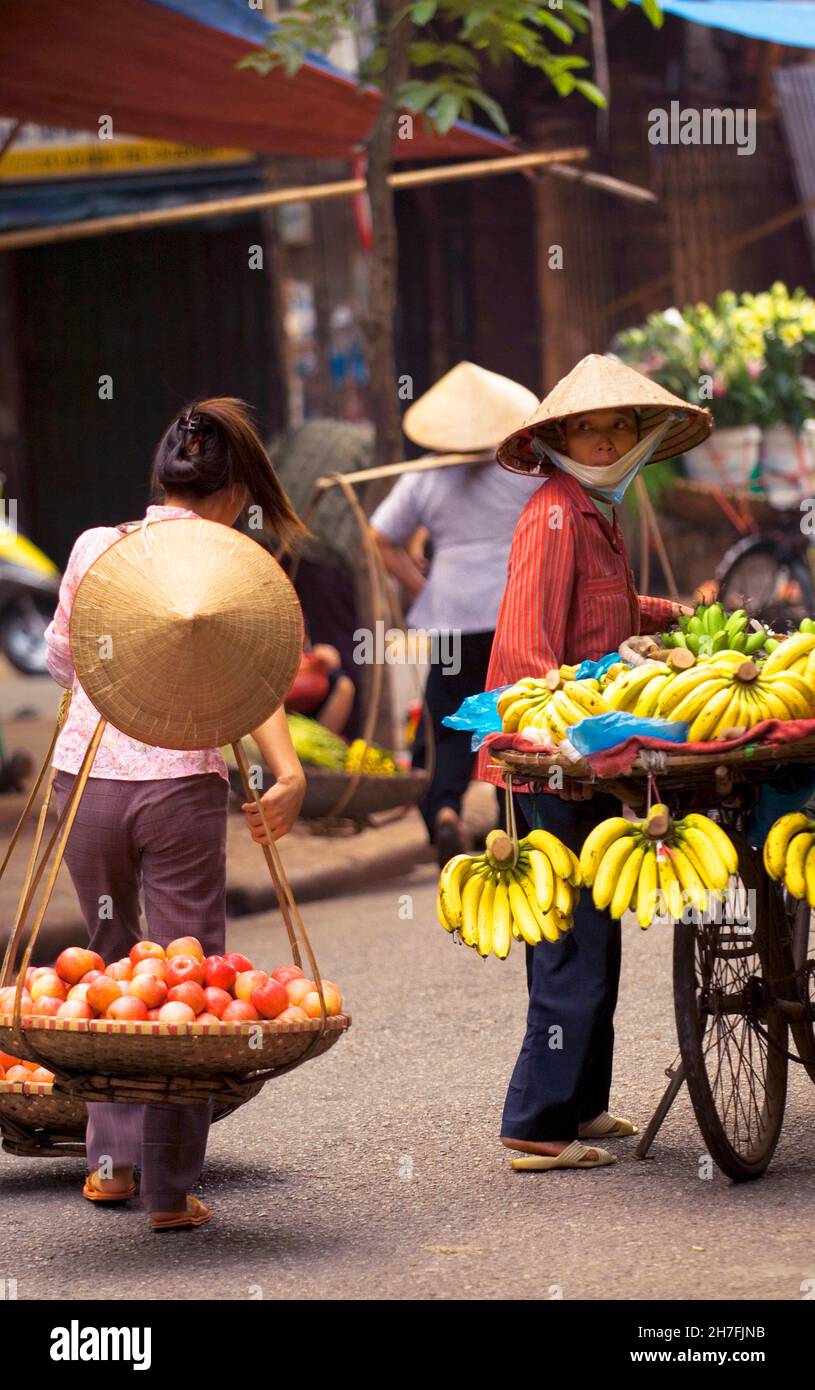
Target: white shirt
<point>471,512</point>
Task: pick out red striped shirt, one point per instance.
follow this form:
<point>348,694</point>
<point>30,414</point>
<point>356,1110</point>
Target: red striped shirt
<point>570,593</point>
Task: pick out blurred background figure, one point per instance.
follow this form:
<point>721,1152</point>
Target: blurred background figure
<point>321,689</point>
<point>466,513</point>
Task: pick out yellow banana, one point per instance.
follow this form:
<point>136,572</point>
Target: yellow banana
<point>543,878</point>
<point>770,700</point>
<point>778,840</point>
<point>443,921</point>
<point>669,885</point>
<point>563,897</point>
<point>610,869</point>
<point>574,877</point>
<point>470,898</point>
<point>597,842</point>
<point>568,711</point>
<point>501,921</point>
<point>523,915</point>
<point>623,691</point>
<point>724,845</point>
<point>647,888</point>
<point>646,702</point>
<point>554,725</point>
<point>585,697</point>
<point>529,716</point>
<point>691,881</point>
<point>451,882</point>
<point>797,851</point>
<point>554,849</point>
<point>679,687</point>
<point>516,711</point>
<point>706,720</point>
<point>547,921</point>
<point>694,702</point>
<point>793,691</point>
<point>704,857</point>
<point>730,715</point>
<point>626,886</point>
<point>788,651</point>
<point>809,875</point>
<point>484,918</point>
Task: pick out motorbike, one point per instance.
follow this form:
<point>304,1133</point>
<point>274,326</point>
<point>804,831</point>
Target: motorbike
<point>29,593</point>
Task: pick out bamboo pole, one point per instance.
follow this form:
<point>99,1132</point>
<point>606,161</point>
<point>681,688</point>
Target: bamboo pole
<point>307,193</point>
<point>426,464</point>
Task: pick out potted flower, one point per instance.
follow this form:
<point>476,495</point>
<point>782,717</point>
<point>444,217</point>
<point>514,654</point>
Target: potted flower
<point>787,323</point>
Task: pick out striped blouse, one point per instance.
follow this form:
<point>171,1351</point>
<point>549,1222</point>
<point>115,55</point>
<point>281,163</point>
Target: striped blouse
<point>570,593</point>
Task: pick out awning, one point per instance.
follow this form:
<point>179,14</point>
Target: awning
<point>168,69</point>
<point>776,21</point>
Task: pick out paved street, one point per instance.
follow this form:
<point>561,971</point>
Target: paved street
<point>375,1171</point>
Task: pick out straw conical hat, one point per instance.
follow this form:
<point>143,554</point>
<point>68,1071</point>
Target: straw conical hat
<point>600,383</point>
<point>468,410</point>
<point>186,634</point>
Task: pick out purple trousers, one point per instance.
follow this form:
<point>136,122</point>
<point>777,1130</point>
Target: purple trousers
<point>167,837</point>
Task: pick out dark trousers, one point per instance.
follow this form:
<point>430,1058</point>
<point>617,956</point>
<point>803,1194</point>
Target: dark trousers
<point>563,1074</point>
<point>168,836</point>
<point>454,757</point>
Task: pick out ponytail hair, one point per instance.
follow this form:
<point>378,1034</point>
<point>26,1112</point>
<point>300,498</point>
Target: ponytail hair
<point>212,445</point>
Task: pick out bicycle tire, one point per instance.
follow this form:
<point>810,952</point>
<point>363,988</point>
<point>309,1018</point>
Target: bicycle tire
<point>740,583</point>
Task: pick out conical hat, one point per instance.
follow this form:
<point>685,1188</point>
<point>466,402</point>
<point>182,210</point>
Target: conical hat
<point>186,634</point>
<point>600,383</point>
<point>468,409</point>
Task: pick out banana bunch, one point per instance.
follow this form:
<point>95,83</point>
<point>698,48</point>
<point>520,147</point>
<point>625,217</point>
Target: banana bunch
<point>552,703</point>
<point>487,899</point>
<point>656,865</point>
<point>806,625</point>
<point>789,855</point>
<point>711,630</point>
<point>371,759</point>
<point>795,653</point>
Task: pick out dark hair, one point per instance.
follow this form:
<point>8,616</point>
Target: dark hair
<point>212,445</point>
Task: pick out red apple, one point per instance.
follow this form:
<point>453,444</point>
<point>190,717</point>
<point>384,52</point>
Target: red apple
<point>73,963</point>
<point>7,997</point>
<point>102,993</point>
<point>176,1012</point>
<point>79,992</point>
<point>284,973</point>
<point>182,969</point>
<point>98,963</point>
<point>39,970</point>
<point>207,1018</point>
<point>151,965</point>
<point>333,1001</point>
<point>298,989</point>
<point>49,985</point>
<point>7,1060</point>
<point>75,1008</point>
<point>18,1073</point>
<point>188,993</point>
<point>128,1008</point>
<point>151,991</point>
<point>292,1014</point>
<point>270,999</point>
<point>185,946</point>
<point>146,950</point>
<point>248,981</point>
<point>216,1000</point>
<point>120,969</point>
<point>153,1015</point>
<point>31,975</point>
<point>240,1011</point>
<point>93,975</point>
<point>219,973</point>
<point>47,1006</point>
<point>41,1074</point>
<point>240,962</point>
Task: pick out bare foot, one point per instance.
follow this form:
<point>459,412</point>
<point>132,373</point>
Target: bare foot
<point>120,1182</point>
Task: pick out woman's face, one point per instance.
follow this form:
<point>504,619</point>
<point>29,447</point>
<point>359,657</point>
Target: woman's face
<point>598,437</point>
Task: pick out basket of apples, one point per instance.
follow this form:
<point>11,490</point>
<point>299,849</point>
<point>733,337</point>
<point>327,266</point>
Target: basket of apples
<point>165,1024</point>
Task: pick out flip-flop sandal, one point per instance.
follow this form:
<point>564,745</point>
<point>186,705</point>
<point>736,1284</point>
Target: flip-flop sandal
<point>98,1194</point>
<point>196,1215</point>
<point>605,1126</point>
<point>575,1155</point>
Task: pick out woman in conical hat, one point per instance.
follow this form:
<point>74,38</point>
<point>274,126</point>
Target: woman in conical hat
<point>155,817</point>
<point>569,597</point>
<point>469,514</point>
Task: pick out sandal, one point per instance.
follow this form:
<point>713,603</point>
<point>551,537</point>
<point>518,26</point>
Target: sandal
<point>575,1155</point>
<point>95,1193</point>
<point>196,1215</point>
<point>605,1126</point>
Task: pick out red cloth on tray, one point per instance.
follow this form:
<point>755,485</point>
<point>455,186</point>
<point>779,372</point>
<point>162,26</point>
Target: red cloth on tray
<point>615,762</point>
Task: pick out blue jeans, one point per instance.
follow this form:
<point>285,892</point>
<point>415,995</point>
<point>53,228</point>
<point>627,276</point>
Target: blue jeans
<point>563,1074</point>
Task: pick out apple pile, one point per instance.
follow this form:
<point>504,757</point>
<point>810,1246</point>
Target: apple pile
<point>15,1069</point>
<point>173,984</point>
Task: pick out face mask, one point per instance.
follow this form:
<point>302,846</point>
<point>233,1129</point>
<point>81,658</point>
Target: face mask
<point>610,480</point>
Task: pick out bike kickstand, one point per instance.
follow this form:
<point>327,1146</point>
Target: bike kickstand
<point>676,1074</point>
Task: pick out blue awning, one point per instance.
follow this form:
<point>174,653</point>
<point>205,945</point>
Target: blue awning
<point>776,21</point>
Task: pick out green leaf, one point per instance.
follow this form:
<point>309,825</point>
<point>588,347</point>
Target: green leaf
<point>590,90</point>
<point>446,111</point>
<point>652,10</point>
<point>492,109</point>
<point>424,11</point>
<point>417,96</point>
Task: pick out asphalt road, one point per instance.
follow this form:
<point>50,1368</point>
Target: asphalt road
<point>375,1171</point>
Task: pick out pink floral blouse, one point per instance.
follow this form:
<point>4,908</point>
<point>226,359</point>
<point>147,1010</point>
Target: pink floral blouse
<point>118,757</point>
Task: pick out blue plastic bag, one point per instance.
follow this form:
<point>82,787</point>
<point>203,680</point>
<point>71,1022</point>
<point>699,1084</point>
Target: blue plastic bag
<point>603,731</point>
<point>478,713</point>
<point>593,670</point>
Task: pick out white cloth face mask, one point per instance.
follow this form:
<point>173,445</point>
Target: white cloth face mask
<point>608,480</point>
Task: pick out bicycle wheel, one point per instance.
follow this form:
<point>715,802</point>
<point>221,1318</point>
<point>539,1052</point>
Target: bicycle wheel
<point>732,1036</point>
<point>770,581</point>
